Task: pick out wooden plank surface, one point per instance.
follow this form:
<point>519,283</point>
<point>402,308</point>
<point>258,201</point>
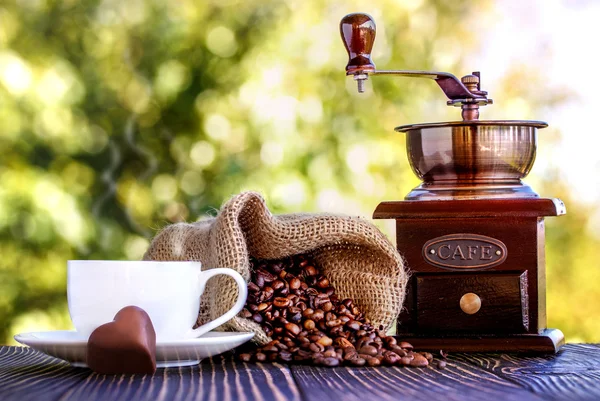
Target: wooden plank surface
<point>572,374</point>
<point>459,381</point>
<point>30,375</point>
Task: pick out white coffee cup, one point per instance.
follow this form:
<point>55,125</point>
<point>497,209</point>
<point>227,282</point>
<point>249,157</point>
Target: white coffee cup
<point>168,291</point>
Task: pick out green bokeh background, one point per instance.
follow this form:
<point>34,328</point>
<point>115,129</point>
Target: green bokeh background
<point>119,117</point>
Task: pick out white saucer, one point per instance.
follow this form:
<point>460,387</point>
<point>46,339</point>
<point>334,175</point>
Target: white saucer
<point>71,347</point>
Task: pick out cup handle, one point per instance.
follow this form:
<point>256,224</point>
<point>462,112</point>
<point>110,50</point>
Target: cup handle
<point>231,313</point>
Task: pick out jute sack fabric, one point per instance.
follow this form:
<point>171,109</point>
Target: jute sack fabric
<point>356,257</point>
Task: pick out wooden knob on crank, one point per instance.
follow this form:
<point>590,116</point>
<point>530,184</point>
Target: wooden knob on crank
<point>470,303</point>
<point>358,34</point>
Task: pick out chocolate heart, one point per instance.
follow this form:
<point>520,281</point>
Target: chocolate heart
<point>127,345</point>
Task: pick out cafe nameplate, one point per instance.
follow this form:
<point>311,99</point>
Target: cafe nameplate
<point>464,251</point>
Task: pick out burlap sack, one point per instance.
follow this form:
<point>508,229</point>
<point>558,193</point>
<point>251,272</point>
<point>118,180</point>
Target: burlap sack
<point>358,259</point>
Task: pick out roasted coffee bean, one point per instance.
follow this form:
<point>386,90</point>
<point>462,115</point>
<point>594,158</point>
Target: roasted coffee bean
<point>358,361</point>
<point>309,324</point>
<point>441,365</point>
<point>353,325</point>
<point>325,341</point>
<point>323,282</point>
<point>368,349</point>
<point>398,351</point>
<point>245,357</point>
<point>294,317</point>
<point>269,348</point>
<point>293,328</point>
<point>281,302</point>
<point>285,356</point>
<point>341,342</point>
<point>257,318</point>
<point>268,293</point>
<point>246,314</point>
<point>310,270</point>
<point>331,361</point>
<point>316,347</point>
<point>281,346</point>
<point>330,354</point>
<point>277,285</point>
<point>419,361</point>
<point>391,358</point>
<point>427,356</point>
<point>371,361</point>
<point>318,315</point>
<point>295,283</point>
<point>389,340</point>
<point>405,360</point>
<point>260,357</point>
<point>406,345</point>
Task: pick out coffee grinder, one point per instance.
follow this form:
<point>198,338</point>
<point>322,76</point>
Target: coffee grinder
<point>472,232</point>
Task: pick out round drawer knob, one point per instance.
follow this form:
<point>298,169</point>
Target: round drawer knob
<point>470,303</point>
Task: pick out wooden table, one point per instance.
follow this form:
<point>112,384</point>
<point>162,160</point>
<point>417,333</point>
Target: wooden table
<point>573,374</point>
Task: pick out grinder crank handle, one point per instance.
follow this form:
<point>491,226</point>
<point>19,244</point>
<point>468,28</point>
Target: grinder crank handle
<point>358,34</point>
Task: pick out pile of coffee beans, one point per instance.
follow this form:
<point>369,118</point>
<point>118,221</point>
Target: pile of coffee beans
<point>298,308</point>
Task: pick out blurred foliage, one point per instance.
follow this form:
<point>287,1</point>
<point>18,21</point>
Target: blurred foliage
<point>119,117</point>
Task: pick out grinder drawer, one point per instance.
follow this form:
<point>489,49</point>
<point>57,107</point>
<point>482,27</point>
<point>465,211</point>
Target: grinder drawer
<point>481,303</point>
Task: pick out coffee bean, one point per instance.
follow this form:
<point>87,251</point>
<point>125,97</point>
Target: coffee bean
<point>325,341</point>
<point>285,356</point>
<point>245,357</point>
<point>260,357</point>
<point>358,361</point>
<point>316,347</point>
<point>295,283</point>
<point>281,302</point>
<point>368,350</point>
<point>309,324</point>
<point>323,283</point>
<point>441,365</point>
<point>257,318</point>
<point>419,361</point>
<point>353,325</point>
<point>398,351</point>
<point>334,323</point>
<point>427,356</point>
<point>390,341</point>
<point>268,293</point>
<point>330,354</point>
<point>342,342</point>
<point>293,328</point>
<point>373,362</point>
<point>331,361</point>
<point>318,315</point>
<point>391,358</point>
<point>310,271</point>
<point>406,345</point>
<point>406,360</point>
